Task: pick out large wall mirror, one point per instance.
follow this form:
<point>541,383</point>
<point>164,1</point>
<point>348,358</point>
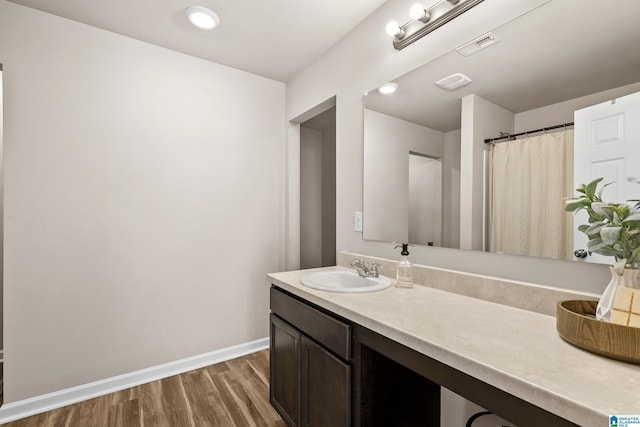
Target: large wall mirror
<point>430,178</point>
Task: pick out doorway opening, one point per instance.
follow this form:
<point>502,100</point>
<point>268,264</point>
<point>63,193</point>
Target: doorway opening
<point>318,190</point>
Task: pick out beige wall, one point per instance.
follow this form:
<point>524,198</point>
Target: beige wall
<point>143,203</point>
<point>310,198</point>
<point>329,196</point>
<point>363,60</point>
<point>451,192</point>
<point>386,168</point>
<point>317,196</point>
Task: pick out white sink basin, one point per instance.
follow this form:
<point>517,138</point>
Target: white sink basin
<point>344,281</point>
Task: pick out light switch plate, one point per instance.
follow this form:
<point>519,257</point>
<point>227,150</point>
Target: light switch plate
<point>357,226</point>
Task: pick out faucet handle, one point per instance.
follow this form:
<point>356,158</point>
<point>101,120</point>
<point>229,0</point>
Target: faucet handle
<point>373,270</point>
<point>357,262</point>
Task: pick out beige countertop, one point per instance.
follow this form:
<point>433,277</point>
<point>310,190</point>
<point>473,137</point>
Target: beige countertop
<point>512,349</point>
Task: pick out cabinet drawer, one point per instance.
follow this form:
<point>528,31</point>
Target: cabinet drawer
<point>327,330</point>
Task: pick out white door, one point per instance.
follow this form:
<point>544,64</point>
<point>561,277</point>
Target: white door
<point>607,145</point>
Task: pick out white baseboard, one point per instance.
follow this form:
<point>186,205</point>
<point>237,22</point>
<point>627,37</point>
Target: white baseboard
<point>46,402</point>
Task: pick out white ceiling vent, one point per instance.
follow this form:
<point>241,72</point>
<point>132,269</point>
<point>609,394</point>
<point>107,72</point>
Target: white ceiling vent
<point>453,81</point>
<point>478,44</point>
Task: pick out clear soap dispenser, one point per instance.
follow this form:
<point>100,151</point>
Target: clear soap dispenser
<point>404,276</point>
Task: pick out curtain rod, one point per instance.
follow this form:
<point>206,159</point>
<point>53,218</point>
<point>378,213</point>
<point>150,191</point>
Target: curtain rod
<point>514,136</point>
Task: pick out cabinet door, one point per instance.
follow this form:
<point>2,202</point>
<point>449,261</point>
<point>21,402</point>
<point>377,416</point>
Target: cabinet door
<point>325,388</point>
<point>284,390</point>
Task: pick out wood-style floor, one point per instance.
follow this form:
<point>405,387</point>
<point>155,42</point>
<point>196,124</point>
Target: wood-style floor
<point>231,393</point>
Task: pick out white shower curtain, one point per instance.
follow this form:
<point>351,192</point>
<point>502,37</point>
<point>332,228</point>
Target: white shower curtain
<point>529,180</point>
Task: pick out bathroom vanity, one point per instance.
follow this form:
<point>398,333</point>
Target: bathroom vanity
<point>380,358</point>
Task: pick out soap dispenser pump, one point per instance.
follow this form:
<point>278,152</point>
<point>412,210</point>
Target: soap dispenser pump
<point>404,276</point>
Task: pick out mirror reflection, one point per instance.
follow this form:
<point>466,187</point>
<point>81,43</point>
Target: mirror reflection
<point>429,176</point>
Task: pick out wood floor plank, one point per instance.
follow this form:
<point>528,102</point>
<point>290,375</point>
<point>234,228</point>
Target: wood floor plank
<point>125,414</point>
<point>91,413</point>
<point>228,394</point>
<point>248,402</point>
<point>62,417</point>
<point>257,389</point>
<point>218,368</point>
<point>234,406</point>
<point>206,403</point>
<point>152,406</point>
<point>124,395</point>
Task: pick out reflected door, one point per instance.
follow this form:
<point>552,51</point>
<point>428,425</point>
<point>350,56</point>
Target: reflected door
<point>607,145</point>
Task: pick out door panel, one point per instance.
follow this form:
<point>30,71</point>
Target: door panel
<point>284,380</point>
<point>607,145</point>
<point>325,388</point>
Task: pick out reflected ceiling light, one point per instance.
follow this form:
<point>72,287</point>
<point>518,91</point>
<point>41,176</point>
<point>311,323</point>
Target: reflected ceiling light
<point>418,12</point>
<point>388,88</point>
<point>422,23</point>
<point>202,17</point>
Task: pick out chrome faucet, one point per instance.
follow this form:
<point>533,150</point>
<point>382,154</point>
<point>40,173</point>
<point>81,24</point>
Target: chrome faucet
<point>365,269</point>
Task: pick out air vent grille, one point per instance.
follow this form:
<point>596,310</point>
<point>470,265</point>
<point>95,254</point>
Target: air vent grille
<point>453,81</point>
<point>478,44</point>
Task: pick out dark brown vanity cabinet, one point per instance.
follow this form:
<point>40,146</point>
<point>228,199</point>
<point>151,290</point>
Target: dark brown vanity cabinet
<point>329,372</point>
<point>310,382</point>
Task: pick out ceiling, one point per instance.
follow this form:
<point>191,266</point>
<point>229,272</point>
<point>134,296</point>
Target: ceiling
<point>549,55</point>
<point>274,39</point>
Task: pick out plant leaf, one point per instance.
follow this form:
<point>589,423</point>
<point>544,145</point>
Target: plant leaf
<point>594,245</point>
<point>608,251</point>
<point>603,210</point>
<point>576,204</point>
<point>635,256</point>
<point>590,188</point>
<point>594,228</point>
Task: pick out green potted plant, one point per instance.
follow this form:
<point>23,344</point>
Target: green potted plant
<point>613,230</point>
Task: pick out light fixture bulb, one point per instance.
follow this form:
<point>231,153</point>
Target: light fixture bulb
<point>388,88</point>
<point>393,29</point>
<point>418,12</point>
<point>202,17</point>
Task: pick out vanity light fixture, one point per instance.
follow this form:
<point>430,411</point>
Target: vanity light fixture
<point>418,12</point>
<point>202,17</point>
<point>425,20</point>
<point>395,30</point>
<point>388,88</point>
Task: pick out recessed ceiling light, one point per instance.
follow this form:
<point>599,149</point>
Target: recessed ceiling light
<point>202,17</point>
<point>388,88</point>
